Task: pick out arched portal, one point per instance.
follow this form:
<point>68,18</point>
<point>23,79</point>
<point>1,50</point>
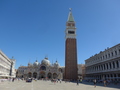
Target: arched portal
<point>29,74</point>
<point>34,75</point>
<point>54,75</point>
<point>42,74</point>
<point>49,75</point>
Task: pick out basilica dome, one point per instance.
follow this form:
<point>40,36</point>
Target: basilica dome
<point>56,64</point>
<point>36,63</point>
<point>45,61</point>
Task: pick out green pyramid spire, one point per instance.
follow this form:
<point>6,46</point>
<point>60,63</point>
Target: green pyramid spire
<point>70,17</point>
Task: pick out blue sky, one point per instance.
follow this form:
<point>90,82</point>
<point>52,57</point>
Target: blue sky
<point>33,29</point>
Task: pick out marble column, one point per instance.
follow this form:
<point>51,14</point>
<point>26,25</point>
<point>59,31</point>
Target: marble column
<point>110,76</point>
<point>117,76</point>
<point>98,68</point>
<point>119,63</point>
<point>37,75</point>
<point>108,65</point>
<point>105,66</point>
<point>113,76</point>
<point>103,77</point>
<point>115,64</point>
<point>111,65</point>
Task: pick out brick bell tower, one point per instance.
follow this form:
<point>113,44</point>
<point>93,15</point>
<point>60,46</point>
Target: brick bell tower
<point>71,71</point>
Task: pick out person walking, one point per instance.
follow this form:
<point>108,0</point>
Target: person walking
<point>13,80</point>
<point>81,80</point>
<point>77,81</point>
<point>104,83</point>
<point>60,80</point>
<point>95,82</point>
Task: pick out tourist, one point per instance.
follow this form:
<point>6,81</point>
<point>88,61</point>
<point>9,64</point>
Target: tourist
<point>57,80</point>
<point>94,82</point>
<point>13,80</point>
<point>104,83</point>
<point>81,80</point>
<point>54,81</point>
<point>77,81</point>
<point>60,80</point>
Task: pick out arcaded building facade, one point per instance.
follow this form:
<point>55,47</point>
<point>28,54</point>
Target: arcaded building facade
<point>105,65</point>
<point>41,70</point>
<point>7,66</point>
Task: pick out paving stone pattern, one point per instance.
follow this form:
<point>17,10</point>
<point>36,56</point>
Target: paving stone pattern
<point>47,85</point>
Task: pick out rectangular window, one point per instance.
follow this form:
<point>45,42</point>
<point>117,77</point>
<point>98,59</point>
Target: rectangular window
<point>115,52</point>
<point>71,32</point>
<point>106,56</point>
<point>103,57</point>
<point>112,53</point>
<point>109,55</point>
<point>119,51</point>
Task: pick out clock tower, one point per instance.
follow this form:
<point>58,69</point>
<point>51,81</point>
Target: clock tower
<point>70,49</point>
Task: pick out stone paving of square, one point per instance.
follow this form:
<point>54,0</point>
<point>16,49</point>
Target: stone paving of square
<point>47,85</point>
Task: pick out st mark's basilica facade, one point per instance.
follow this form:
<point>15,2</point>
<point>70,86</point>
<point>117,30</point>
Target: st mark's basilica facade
<point>41,70</point>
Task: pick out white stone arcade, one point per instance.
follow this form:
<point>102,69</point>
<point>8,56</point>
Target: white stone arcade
<point>105,65</point>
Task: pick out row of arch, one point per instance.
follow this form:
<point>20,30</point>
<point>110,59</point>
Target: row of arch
<point>102,57</point>
<point>111,76</point>
<point>105,66</point>
<point>42,75</point>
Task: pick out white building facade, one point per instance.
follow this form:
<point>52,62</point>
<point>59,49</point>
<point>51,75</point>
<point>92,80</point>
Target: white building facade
<point>7,68</point>
<point>41,70</point>
<point>105,65</point>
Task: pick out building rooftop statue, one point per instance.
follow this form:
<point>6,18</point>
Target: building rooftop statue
<point>56,63</point>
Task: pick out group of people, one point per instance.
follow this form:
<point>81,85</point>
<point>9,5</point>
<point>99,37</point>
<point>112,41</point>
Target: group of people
<point>105,82</point>
<point>55,80</point>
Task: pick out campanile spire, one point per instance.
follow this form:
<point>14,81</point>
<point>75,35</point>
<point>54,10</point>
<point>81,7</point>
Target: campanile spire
<point>70,49</point>
<point>70,17</point>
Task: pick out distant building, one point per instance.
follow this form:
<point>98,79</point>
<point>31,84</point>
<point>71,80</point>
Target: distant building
<point>7,68</point>
<point>105,65</point>
<point>20,71</point>
<point>41,70</point>
<point>81,71</point>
